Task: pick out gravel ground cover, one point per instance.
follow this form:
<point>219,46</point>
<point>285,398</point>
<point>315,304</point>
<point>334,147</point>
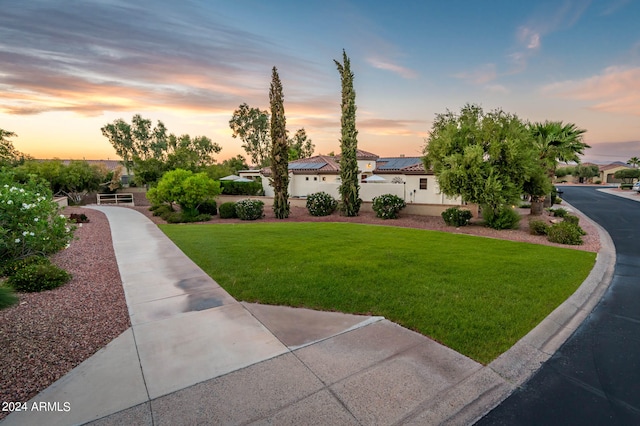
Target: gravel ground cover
<point>47,334</point>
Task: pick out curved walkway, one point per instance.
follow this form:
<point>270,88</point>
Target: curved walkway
<point>195,355</point>
<point>594,378</point>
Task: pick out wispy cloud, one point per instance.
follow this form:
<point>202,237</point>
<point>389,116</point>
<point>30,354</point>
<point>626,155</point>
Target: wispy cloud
<point>615,90</point>
<point>530,35</point>
<point>379,126</point>
<point>386,64</point>
<point>614,6</point>
<point>96,56</point>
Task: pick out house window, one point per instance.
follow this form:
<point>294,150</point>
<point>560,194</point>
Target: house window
<point>324,178</point>
<point>315,178</point>
<point>307,178</point>
<point>423,183</point>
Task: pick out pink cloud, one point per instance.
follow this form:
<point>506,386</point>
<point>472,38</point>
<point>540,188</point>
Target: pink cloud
<point>615,90</point>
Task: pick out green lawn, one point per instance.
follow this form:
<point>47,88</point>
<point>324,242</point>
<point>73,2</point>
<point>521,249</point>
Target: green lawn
<point>476,295</point>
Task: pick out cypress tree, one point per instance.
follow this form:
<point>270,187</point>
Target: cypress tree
<point>349,186</point>
<point>279,149</point>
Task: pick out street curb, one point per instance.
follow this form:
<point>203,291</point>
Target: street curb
<point>485,389</point>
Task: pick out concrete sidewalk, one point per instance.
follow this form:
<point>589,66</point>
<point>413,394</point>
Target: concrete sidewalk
<point>194,355</point>
<point>631,195</point>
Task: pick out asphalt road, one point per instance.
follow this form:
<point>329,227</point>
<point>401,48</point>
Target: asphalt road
<point>594,378</point>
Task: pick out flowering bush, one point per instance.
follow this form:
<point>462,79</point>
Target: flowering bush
<point>29,221</point>
<point>388,206</point>
<point>250,209</point>
<point>457,217</point>
<point>321,204</point>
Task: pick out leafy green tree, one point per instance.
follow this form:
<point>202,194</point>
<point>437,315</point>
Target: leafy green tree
<point>279,149</point>
<point>485,158</point>
<point>73,181</point>
<point>350,185</point>
<point>586,171</point>
<point>189,153</point>
<point>185,188</point>
<point>152,151</point>
<point>564,171</point>
<point>9,155</point>
<point>79,178</point>
<point>634,162</point>
<point>230,166</point>
<point>300,146</point>
<point>251,125</point>
<point>627,175</point>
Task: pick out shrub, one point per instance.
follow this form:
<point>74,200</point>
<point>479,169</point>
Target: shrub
<point>538,227</point>
<point>572,219</point>
<point>557,200</point>
<point>502,218</point>
<point>185,188</point>
<point>185,217</point>
<point>30,222</point>
<point>388,206</point>
<point>10,267</point>
<point>565,233</point>
<point>560,212</point>
<point>321,204</point>
<point>162,210</point>
<point>454,216</point>
<point>228,210</point>
<point>626,185</point>
<point>209,207</point>
<point>598,182</point>
<point>241,188</point>
<point>250,209</point>
<point>7,298</point>
<point>38,277</point>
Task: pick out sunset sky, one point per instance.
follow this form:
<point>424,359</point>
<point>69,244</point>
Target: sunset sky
<point>67,68</point>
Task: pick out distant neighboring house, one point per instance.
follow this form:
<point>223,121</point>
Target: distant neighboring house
<point>607,172</point>
<point>405,177</point>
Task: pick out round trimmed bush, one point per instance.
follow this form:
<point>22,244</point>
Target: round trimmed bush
<point>209,207</point>
<point>250,209</point>
<point>388,206</point>
<point>454,216</point>
<point>503,218</point>
<point>38,277</point>
<point>228,210</point>
<point>538,227</point>
<point>321,204</point>
<point>560,212</point>
<point>566,233</point>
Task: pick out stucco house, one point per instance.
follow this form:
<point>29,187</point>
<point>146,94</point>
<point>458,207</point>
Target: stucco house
<point>607,172</point>
<point>405,177</point>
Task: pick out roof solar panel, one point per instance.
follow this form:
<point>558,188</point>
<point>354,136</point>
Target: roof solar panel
<point>306,166</point>
<point>398,163</point>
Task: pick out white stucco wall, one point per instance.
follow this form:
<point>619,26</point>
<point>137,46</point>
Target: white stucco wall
<point>302,185</point>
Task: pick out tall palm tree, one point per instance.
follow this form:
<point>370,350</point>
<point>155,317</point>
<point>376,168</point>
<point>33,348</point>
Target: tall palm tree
<point>634,162</point>
<point>556,141</point>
